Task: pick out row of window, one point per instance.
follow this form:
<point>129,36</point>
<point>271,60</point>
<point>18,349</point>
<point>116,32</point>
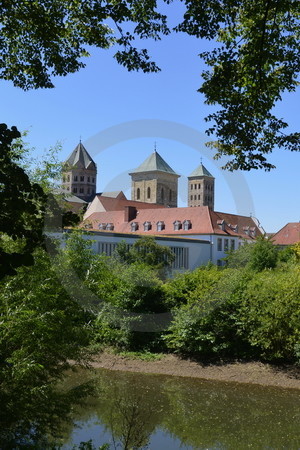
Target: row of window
<point>81,190</point>
<point>160,225</point>
<point>226,245</point>
<point>80,178</point>
<point>162,194</point>
<point>181,260</point>
<point>208,187</point>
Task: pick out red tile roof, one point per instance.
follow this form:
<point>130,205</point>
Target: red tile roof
<point>288,235</point>
<point>202,220</point>
<point>117,204</point>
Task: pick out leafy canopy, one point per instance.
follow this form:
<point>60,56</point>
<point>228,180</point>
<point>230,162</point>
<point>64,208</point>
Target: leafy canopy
<point>255,59</point>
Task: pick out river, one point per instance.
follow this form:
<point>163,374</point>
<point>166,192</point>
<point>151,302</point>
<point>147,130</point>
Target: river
<point>133,410</point>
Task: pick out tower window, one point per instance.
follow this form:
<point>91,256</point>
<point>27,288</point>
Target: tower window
<point>199,186</point>
<point>81,178</point>
<point>195,197</point>
<point>192,186</point>
<point>199,196</point>
<point>88,191</point>
<point>162,194</point>
<point>68,178</point>
<point>64,179</point>
<point>93,180</point>
<point>75,178</point>
<point>170,196</point>
<point>75,190</point>
<point>81,190</point>
<point>148,192</point>
<point>138,193</point>
<point>195,186</point>
<point>191,197</point>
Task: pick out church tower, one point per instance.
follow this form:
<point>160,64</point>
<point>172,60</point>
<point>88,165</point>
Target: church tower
<point>79,174</point>
<point>154,181</point>
<point>201,188</point>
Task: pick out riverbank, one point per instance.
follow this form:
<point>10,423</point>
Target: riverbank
<point>284,376</point>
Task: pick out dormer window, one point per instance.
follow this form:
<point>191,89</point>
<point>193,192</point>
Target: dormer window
<point>102,226</point>
<point>147,226</point>
<point>110,226</point>
<point>253,231</point>
<point>221,224</point>
<point>177,225</point>
<point>187,225</point>
<point>246,230</point>
<point>134,226</point>
<point>160,225</point>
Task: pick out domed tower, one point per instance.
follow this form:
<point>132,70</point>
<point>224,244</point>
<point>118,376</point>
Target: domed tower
<point>154,181</point>
<point>80,174</point>
<point>201,188</point>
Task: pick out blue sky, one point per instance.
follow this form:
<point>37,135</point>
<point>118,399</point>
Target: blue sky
<point>119,116</point>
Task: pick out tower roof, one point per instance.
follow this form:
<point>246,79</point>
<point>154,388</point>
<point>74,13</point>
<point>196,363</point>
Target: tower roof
<point>80,158</point>
<point>155,162</point>
<point>201,171</point>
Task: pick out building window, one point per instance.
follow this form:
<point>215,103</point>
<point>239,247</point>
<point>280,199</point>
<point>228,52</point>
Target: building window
<point>148,192</point>
<point>226,241</point>
<point>88,191</point>
<point>192,186</point>
<point>162,194</point>
<point>147,226</point>
<point>93,180</point>
<point>110,226</point>
<point>138,193</point>
<point>102,226</point>
<point>195,186</point>
<point>181,258</point>
<point>219,245</point>
<point>68,188</point>
<point>160,225</point>
<point>177,225</point>
<point>64,179</point>
<point>134,226</point>
<point>75,190</point>
<point>68,178</point>
<point>199,197</point>
<point>187,225</point>
<point>81,190</point>
<point>89,179</point>
<point>81,178</point>
<point>232,244</point>
<point>75,178</point>
<point>191,197</point>
<point>170,196</point>
<point>195,196</point>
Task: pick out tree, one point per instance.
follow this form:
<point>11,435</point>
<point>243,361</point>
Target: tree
<point>264,254</point>
<point>23,206</point>
<point>146,250</point>
<point>254,62</point>
<point>40,39</point>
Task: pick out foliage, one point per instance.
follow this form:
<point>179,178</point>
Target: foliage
<point>296,251</point>
<point>23,207</point>
<point>264,254</point>
<point>146,251</point>
<point>41,330</point>
<point>190,286</point>
<point>270,313</point>
<point>256,256</point>
<point>207,326</point>
<point>42,39</point>
<point>255,61</point>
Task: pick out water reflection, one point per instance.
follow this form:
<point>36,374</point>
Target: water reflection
<point>138,411</point>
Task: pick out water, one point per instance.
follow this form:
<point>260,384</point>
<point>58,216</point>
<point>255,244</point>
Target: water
<point>161,412</point>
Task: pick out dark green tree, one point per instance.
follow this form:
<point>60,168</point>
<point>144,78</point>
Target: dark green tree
<point>23,206</point>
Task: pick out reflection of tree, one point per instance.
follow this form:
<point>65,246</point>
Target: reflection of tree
<point>129,421</point>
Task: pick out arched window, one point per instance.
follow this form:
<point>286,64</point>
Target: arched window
<point>138,193</point>
<point>148,192</point>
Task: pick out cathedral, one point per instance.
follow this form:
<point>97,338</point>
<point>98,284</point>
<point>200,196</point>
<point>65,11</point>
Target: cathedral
<point>154,181</point>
